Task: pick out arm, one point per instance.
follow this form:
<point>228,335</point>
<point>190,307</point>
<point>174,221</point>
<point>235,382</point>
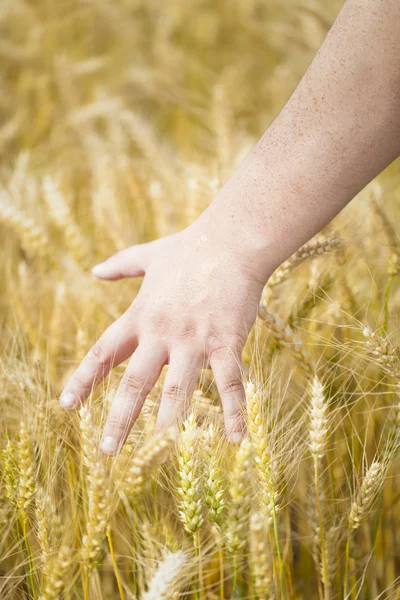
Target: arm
<point>202,286</point>
<point>340,128</point>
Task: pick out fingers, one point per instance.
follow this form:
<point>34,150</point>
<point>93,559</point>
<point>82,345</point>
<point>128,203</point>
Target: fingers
<point>226,365</point>
<point>179,386</point>
<point>131,262</point>
<point>115,345</point>
<point>140,376</point>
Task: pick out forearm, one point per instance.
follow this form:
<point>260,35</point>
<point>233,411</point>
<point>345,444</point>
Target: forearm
<point>339,129</point>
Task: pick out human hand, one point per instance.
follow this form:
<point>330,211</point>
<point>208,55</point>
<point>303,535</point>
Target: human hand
<point>195,309</point>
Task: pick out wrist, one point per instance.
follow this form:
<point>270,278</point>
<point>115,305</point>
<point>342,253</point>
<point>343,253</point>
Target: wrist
<point>228,227</point>
<point>241,217</point>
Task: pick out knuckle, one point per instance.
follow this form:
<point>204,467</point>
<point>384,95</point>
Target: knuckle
<point>173,391</point>
<point>157,323</point>
<point>232,386</point>
<point>80,382</point>
<point>119,422</point>
<point>98,355</point>
<point>188,332</point>
<point>116,421</point>
<point>134,383</point>
<point>79,378</point>
<point>234,344</point>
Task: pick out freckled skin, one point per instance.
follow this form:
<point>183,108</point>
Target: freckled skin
<point>202,286</point>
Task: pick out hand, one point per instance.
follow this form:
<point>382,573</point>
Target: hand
<point>195,309</point>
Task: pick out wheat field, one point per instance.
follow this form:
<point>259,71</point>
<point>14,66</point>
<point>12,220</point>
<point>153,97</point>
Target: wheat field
<point>119,122</point>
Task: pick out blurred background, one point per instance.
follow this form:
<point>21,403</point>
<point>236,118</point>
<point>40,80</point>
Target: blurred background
<point>119,122</point>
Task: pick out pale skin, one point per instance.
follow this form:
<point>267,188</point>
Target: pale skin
<point>202,286</point>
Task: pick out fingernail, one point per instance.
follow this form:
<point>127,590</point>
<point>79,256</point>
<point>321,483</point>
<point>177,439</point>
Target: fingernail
<point>236,437</point>
<point>99,269</point>
<point>109,445</point>
<point>67,400</point>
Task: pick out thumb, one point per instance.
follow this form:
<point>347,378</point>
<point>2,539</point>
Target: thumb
<point>131,262</point>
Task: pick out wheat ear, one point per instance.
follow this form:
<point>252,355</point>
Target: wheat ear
<point>61,215</point>
<point>259,437</point>
<point>238,508</point>
<point>384,352</point>
<point>260,558</point>
<point>285,336</point>
<point>48,529</point>
<point>165,581</point>
<point>318,421</point>
<point>97,491</point>
<point>312,249</point>
<point>145,460</point>
<point>58,575</point>
<point>32,238</point>
<point>319,430</point>
<point>10,472</point>
<point>214,488</point>
<point>26,468</point>
<point>361,506</point>
<point>367,494</point>
<point>190,489</point>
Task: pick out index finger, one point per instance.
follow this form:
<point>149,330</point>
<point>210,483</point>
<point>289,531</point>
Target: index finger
<point>114,346</point>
